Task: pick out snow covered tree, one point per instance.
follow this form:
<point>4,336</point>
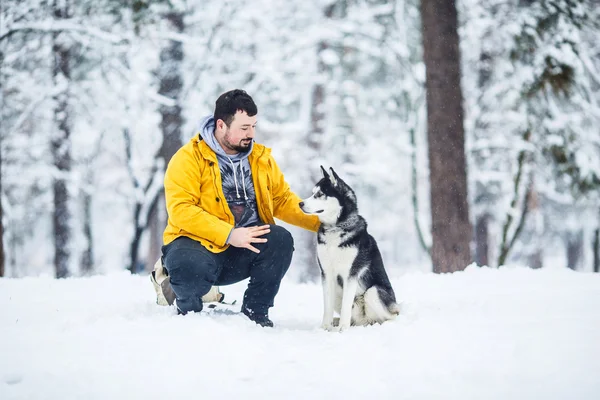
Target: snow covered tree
<point>60,142</point>
<point>531,107</point>
<point>170,88</point>
<point>338,83</point>
<point>51,59</point>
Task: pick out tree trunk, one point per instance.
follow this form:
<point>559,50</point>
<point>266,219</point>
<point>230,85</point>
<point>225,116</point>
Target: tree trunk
<point>507,242</point>
<point>61,147</point>
<point>141,222</point>
<point>155,230</point>
<point>535,260</point>
<point>87,258</point>
<point>482,240</point>
<point>135,242</point>
<point>171,85</point>
<point>483,196</point>
<point>596,250</point>
<point>574,243</point>
<point>146,197</point>
<point>535,231</point>
<point>451,228</point>
<point>2,260</point>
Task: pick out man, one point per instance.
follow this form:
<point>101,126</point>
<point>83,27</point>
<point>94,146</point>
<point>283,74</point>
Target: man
<point>222,192</point>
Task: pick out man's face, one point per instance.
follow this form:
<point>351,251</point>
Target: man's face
<point>237,137</point>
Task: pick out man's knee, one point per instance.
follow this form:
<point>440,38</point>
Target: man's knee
<point>192,272</point>
<point>281,239</point>
<point>276,255</point>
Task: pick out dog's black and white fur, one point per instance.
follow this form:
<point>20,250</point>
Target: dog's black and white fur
<point>355,283</point>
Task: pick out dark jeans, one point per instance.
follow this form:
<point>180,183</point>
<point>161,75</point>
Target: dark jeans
<point>193,270</point>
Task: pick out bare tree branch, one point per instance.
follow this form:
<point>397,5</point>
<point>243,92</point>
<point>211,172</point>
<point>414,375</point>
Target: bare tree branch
<point>52,26</point>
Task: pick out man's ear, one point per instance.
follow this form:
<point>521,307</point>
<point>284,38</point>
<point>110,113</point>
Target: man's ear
<point>325,174</point>
<point>334,177</point>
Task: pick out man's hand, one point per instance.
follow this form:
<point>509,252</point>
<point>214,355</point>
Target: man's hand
<point>244,237</point>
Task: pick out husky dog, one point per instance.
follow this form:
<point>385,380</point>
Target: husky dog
<point>355,283</point>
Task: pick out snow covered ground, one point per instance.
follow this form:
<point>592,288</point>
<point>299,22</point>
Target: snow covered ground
<point>512,333</point>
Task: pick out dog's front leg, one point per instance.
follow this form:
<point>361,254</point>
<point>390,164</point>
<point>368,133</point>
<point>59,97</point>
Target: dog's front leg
<point>349,293</point>
<point>328,301</point>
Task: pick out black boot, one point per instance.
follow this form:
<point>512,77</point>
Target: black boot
<point>259,318</point>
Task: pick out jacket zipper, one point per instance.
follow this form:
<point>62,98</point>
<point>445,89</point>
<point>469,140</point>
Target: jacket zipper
<point>219,191</point>
<point>260,203</point>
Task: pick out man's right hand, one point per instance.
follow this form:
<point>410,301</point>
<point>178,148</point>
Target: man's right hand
<point>244,237</point>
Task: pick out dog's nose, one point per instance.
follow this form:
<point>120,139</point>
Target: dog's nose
<point>301,204</point>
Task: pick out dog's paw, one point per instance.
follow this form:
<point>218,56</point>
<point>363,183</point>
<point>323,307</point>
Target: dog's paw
<point>337,327</point>
<point>328,326</point>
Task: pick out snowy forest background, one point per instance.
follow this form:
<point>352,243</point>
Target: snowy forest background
<point>97,96</point>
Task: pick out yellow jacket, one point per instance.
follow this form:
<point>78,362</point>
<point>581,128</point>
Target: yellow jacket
<point>196,204</point>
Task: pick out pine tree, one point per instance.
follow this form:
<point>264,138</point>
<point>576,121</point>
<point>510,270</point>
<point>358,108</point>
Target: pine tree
<point>531,104</point>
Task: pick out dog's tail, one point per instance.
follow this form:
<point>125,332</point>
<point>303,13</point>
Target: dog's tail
<point>380,305</point>
<point>394,308</point>
<point>388,298</point>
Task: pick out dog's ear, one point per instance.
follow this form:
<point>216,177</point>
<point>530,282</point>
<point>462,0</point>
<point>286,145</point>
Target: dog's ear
<point>325,174</point>
<point>334,177</point>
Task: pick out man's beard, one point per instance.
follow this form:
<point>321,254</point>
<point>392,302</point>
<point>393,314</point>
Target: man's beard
<point>242,147</point>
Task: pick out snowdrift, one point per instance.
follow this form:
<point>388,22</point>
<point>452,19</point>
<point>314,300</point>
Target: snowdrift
<point>512,333</point>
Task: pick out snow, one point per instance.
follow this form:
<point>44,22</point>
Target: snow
<point>509,333</point>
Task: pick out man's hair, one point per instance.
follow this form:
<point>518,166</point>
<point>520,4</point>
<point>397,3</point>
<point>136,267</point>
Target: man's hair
<point>231,102</point>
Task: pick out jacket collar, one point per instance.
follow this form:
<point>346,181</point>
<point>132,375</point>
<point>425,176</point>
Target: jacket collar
<point>209,154</point>
<point>205,149</point>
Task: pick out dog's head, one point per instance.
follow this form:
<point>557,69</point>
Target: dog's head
<point>332,198</point>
